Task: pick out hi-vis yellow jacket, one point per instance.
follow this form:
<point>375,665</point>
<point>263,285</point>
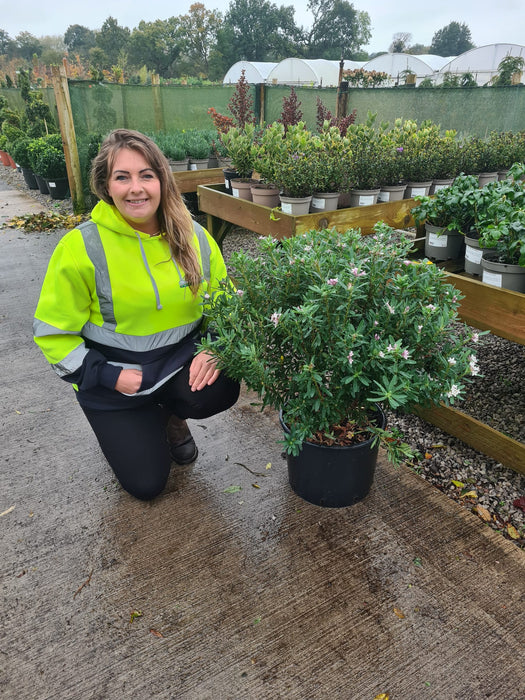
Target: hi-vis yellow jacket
<point>114,298</point>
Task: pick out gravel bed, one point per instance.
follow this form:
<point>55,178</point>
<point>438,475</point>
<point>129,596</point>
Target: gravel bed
<point>496,398</point>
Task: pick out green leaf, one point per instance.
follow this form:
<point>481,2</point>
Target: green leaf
<point>233,489</point>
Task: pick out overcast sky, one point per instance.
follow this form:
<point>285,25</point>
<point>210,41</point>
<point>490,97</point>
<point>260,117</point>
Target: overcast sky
<point>490,21</point>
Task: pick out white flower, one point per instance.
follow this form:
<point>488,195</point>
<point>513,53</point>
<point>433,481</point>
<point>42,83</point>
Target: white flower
<point>350,357</point>
<point>454,391</point>
<point>451,361</point>
<point>390,308</point>
<point>474,367</point>
<point>274,318</point>
<point>240,292</point>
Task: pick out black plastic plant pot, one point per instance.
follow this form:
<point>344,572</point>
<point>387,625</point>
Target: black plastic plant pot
<point>334,477</point>
<point>58,187</point>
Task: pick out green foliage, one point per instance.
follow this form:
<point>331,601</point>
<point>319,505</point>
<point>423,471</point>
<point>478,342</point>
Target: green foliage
<point>507,67</point>
<point>500,217</point>
<point>239,144</point>
<point>451,208</point>
<point>324,324</point>
<point>19,152</point>
<point>452,40</point>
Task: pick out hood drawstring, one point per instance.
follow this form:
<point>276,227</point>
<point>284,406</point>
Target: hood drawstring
<point>146,265</point>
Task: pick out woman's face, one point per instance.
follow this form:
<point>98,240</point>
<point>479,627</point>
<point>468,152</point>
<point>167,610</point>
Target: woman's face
<point>135,190</point>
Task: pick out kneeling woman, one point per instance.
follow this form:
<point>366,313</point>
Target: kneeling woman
<point>120,313</point>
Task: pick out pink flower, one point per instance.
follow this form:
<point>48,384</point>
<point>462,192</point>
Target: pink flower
<point>332,281</point>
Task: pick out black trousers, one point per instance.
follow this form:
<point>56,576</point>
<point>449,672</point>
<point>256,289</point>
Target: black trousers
<point>133,440</point>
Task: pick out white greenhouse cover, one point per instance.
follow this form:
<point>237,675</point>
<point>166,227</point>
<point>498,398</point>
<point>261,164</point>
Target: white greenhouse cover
<point>482,62</point>
<point>302,71</point>
<point>395,63</point>
<point>254,71</point>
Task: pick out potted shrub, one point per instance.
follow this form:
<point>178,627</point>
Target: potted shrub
<point>239,145</point>
<point>364,165</point>
<point>287,158</point>
<point>331,152</point>
<point>20,154</point>
<point>500,221</point>
<point>327,327</point>
<point>447,217</point>
<point>49,165</point>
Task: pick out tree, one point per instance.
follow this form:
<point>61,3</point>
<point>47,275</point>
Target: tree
<point>112,39</point>
<point>6,43</point>
<point>27,45</point>
<point>260,31</point>
<point>452,40</point>
<point>400,42</point>
<point>155,45</point>
<point>338,30</point>
<point>198,34</point>
<point>79,39</point>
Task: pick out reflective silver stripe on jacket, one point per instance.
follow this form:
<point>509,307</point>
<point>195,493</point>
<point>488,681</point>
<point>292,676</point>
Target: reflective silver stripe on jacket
<point>71,362</point>
<point>97,255</point>
<point>41,328</point>
<point>139,343</point>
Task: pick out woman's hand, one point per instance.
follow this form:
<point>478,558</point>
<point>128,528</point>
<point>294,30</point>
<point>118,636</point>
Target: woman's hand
<point>203,371</point>
<point>129,381</point>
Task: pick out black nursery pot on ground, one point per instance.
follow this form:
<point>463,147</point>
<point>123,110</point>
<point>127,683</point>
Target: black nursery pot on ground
<point>334,477</point>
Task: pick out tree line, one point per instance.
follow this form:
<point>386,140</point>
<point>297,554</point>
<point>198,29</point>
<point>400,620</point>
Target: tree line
<point>205,43</point>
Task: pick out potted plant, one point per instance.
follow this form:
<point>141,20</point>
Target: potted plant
<point>239,145</point>
<point>287,158</point>
<point>447,217</point>
<point>49,165</point>
<point>20,154</point>
<point>500,221</point>
<point>329,327</point>
<point>365,164</point>
<point>330,154</point>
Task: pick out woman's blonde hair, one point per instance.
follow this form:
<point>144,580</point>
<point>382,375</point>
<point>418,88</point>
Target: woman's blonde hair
<point>174,218</point>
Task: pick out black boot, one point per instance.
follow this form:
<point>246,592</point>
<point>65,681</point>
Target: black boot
<point>183,449</point>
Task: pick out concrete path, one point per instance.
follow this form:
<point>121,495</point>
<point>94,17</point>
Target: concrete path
<point>207,594</point>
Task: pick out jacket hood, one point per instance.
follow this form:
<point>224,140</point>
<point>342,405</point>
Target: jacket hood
<point>108,215</point>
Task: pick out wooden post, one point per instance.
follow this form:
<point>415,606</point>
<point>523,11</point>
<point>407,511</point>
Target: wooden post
<point>341,105</point>
<point>69,139</point>
<point>260,95</point>
<point>157,102</point>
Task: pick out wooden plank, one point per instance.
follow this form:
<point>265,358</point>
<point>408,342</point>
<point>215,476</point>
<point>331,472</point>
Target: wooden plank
<point>481,437</point>
<point>253,217</point>
<point>395,214</point>
<point>500,311</point>
<point>189,180</point>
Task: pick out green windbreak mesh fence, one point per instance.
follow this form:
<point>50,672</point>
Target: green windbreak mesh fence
<point>101,107</point>
<point>470,111</point>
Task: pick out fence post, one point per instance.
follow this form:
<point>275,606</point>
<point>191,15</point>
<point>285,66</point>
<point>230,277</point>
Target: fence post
<point>69,139</point>
<point>341,105</point>
<point>259,102</point>
<point>157,102</point>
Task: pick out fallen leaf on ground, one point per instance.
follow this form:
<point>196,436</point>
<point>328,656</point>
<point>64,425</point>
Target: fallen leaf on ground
<point>458,484</point>
<point>7,511</point>
<point>156,633</point>
<point>268,466</point>
<point>232,489</point>
<point>399,613</point>
<point>483,513</point>
<point>382,696</point>
<point>134,615</point>
<point>469,494</point>
<point>256,486</point>
<point>512,532</point>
